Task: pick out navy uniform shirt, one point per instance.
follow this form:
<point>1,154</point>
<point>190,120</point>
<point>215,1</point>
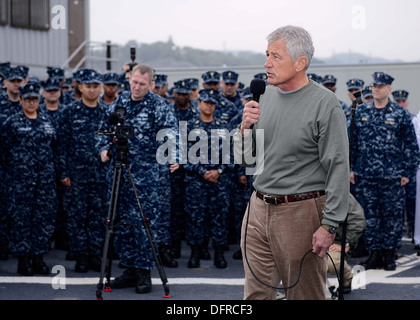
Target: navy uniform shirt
<point>148,117</point>
<point>29,149</point>
<point>384,143</point>
<point>79,159</point>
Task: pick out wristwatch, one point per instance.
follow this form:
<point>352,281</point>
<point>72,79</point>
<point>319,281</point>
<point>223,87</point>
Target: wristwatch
<point>330,229</point>
<point>220,171</point>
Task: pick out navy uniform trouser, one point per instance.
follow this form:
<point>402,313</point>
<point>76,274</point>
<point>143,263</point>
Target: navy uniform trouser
<point>383,204</point>
<point>86,207</point>
<point>32,211</point>
<point>207,206</point>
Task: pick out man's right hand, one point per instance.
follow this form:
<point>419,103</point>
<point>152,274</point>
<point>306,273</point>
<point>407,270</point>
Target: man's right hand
<point>251,115</point>
<point>104,156</point>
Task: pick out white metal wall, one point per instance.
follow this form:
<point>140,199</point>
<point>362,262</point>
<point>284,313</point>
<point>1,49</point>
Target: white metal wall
<point>37,49</point>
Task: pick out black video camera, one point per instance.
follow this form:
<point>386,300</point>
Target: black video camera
<point>359,97</point>
<point>119,131</point>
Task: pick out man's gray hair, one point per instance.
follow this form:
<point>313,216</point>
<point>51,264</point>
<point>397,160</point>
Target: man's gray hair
<point>298,42</point>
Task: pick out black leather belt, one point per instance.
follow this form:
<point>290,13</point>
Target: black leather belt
<point>278,200</point>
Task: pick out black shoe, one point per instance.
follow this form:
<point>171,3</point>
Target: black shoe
<point>95,263</point>
<point>375,261</point>
<point>237,255</point>
<point>389,260</point>
<point>219,259</point>
<point>144,284</point>
<point>194,261</point>
<point>39,266</point>
<point>4,253</point>
<point>128,279</point>
<point>25,266</point>
<point>176,249</point>
<point>204,253</point>
<point>82,262</point>
<point>166,257</point>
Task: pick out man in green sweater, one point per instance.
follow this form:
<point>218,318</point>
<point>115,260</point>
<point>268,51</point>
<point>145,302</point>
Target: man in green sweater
<point>298,131</point>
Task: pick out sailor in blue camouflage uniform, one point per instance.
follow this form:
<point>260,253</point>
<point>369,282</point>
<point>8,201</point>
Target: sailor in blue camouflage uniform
<point>367,94</point>
<point>184,110</point>
<point>354,85</point>
<point>230,86</point>
<point>111,82</point>
<point>330,82</point>
<point>84,175</point>
<point>28,145</point>
<point>206,194</point>
<point>73,95</point>
<point>9,105</point>
<point>384,153</point>
<point>54,109</point>
<point>401,98</point>
<point>161,85</point>
<point>225,109</point>
<point>148,114</point>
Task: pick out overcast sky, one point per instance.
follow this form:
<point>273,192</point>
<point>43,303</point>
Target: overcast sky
<point>385,28</point>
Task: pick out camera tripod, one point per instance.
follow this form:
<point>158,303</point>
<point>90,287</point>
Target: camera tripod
<point>120,165</point>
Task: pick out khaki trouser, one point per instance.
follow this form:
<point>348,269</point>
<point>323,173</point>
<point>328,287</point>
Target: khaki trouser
<point>274,241</point>
<point>348,271</point>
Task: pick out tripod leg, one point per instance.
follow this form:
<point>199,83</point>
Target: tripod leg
<point>146,223</point>
<point>110,224</point>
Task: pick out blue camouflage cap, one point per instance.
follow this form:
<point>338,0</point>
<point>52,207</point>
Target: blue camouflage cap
<point>193,82</point>
<point>315,77</point>
<point>400,95</point>
<point>160,80</point>
<point>90,76</point>
<point>367,92</point>
<point>209,95</point>
<point>355,84</point>
<point>15,74</point>
<point>211,76</point>
<point>30,89</point>
<point>25,70</point>
<point>262,76</point>
<point>111,78</point>
<point>382,78</point>
<point>68,83</point>
<point>56,73</point>
<point>230,77</point>
<point>4,66</point>
<point>246,94</point>
<point>329,79</point>
<point>182,87</point>
<point>51,84</point>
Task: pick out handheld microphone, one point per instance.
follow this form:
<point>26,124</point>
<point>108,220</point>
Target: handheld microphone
<point>257,89</point>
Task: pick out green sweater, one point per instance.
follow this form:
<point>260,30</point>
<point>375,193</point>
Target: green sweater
<point>305,147</point>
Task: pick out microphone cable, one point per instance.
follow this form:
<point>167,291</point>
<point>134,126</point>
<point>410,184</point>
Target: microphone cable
<point>300,264</point>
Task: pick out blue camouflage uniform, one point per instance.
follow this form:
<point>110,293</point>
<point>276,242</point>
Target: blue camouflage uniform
<point>410,188</point>
<point>85,200</point>
<point>7,109</point>
<point>56,116</point>
<point>177,178</point>
<point>225,110</point>
<point>206,203</point>
<point>29,150</point>
<point>148,116</point>
<point>384,150</point>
